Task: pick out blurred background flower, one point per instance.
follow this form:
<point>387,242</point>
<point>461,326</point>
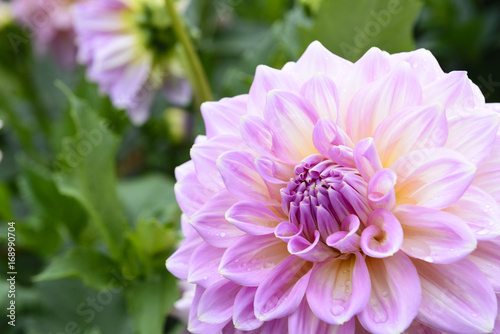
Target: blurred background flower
<point>51,23</point>
<point>130,50</point>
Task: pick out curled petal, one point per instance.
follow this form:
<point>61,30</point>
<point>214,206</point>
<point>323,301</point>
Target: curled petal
<point>342,155</point>
<point>252,218</point>
<point>383,235</point>
<point>338,289</point>
<point>395,295</point>
<point>456,298</point>
<point>315,251</point>
<point>286,231</point>
<point>327,134</point>
<point>381,194</point>
<point>178,262</point>
<point>249,260</point>
<point>283,289</point>
<point>347,240</point>
<point>273,171</point>
<point>366,158</point>
<point>433,235</point>
<point>433,178</point>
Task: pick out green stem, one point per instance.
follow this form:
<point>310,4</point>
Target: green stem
<point>204,93</point>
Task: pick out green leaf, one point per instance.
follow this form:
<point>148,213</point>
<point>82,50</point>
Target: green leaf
<point>152,242</point>
<point>86,172</point>
<point>149,196</point>
<point>5,206</point>
<point>39,189</point>
<point>349,28</point>
<point>148,302</point>
<point>93,268</point>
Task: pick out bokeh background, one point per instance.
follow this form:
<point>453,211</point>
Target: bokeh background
<point>93,231</point>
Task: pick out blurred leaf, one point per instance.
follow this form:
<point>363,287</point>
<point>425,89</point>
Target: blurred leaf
<point>67,306</point>
<point>92,267</point>
<point>5,206</point>
<point>149,301</point>
<point>149,196</point>
<point>152,241</point>
<point>349,28</point>
<point>49,204</point>
<point>86,172</point>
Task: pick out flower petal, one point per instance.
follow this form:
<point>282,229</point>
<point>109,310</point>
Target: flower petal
<point>456,298</point>
<point>480,211</point>
<point>323,95</point>
<point>410,129</point>
<point>366,158</point>
<point>395,295</point>
<point>244,314</point>
<point>291,118</point>
<point>488,174</point>
<point>252,218</point>
<point>433,178</point>
<point>241,178</point>
<point>203,265</point>
<point>216,303</point>
<point>327,134</point>
<point>452,90</point>
<point>249,260</point>
<point>339,289</point>
<point>223,117</point>
<point>383,235</point>
<point>194,324</point>
<point>211,223</point>
<point>381,194</point>
<point>473,135</point>
<point>205,156</point>
<point>178,262</point>
<point>315,251</point>
<point>283,289</point>
<point>303,320</point>
<point>487,259</point>
<point>267,79</point>
<point>433,235</point>
<point>378,100</point>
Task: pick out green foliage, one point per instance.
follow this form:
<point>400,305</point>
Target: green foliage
<point>92,196</point>
<point>93,268</point>
<point>385,24</point>
<point>85,171</point>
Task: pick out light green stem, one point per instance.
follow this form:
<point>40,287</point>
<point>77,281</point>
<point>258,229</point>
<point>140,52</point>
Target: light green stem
<point>201,85</point>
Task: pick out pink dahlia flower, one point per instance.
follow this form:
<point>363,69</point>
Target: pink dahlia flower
<point>341,197</point>
<point>51,22</point>
<point>130,50</point>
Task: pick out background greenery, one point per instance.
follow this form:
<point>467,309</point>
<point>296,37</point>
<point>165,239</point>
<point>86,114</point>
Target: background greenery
<point>94,229</point>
